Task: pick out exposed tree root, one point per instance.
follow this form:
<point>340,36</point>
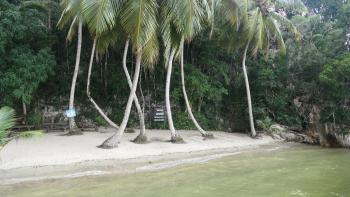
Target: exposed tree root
<point>208,135</point>
<point>140,139</point>
<point>177,139</point>
<point>110,143</point>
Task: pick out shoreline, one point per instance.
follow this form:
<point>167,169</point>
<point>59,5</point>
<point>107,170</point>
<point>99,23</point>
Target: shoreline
<point>84,159</point>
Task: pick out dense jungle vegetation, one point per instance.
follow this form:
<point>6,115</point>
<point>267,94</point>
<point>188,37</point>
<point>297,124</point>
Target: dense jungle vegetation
<point>312,77</point>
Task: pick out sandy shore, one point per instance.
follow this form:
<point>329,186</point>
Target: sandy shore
<point>54,155</point>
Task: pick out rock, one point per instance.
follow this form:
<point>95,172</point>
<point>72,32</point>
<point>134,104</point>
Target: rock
<point>283,132</point>
<point>344,140</point>
<point>278,128</point>
<point>83,122</point>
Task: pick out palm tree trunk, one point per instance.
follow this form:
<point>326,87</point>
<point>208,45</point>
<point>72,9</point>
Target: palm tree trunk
<point>49,19</point>
<point>24,107</point>
<point>175,138</point>
<point>100,111</point>
<point>246,80</point>
<point>75,76</point>
<point>113,141</point>
<point>188,106</point>
<point>141,138</point>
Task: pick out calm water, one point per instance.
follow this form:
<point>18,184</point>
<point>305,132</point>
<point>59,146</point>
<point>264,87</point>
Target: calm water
<point>301,171</point>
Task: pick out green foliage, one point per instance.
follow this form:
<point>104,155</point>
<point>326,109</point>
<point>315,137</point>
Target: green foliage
<point>35,119</point>
<point>100,121</point>
<point>30,134</point>
<point>314,68</point>
<point>7,121</point>
<point>26,61</point>
<point>182,121</point>
<point>264,124</point>
<point>335,85</point>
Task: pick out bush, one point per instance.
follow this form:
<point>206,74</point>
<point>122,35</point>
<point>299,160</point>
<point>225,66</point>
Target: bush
<point>100,121</point>
<point>264,124</point>
<point>35,119</point>
<point>183,121</point>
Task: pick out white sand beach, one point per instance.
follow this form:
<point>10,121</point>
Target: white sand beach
<point>52,153</point>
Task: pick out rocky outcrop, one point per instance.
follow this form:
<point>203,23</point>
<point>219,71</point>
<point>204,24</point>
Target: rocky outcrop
<point>333,135</point>
<point>287,134</point>
<point>328,134</point>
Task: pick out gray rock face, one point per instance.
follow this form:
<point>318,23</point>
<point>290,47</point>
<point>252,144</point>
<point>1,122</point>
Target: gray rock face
<point>283,132</point>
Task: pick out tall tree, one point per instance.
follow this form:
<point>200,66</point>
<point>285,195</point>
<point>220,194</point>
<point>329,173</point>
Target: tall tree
<point>139,21</point>
<point>182,20</point>
<point>192,23</point>
<point>142,137</point>
<point>101,17</point>
<point>72,12</point>
<point>45,5</point>
<point>258,24</point>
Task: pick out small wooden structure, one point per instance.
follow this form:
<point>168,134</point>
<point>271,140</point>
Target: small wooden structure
<point>21,125</point>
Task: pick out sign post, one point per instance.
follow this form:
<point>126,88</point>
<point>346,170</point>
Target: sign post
<point>71,113</point>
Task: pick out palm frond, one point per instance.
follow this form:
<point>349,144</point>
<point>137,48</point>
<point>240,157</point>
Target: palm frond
<point>72,29</point>
<point>7,121</point>
<point>275,30</point>
<point>287,23</point>
<point>71,9</point>
<point>100,16</point>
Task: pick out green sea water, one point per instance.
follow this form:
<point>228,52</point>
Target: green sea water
<point>297,171</point>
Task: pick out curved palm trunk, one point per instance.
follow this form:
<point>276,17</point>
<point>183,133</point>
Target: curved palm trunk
<point>113,141</point>
<point>141,138</point>
<point>74,80</point>
<point>188,106</point>
<point>100,111</point>
<point>175,138</point>
<point>246,80</point>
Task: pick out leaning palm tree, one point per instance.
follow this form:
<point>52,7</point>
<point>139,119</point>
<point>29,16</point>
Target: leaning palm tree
<point>191,24</point>
<point>142,137</point>
<point>258,24</point>
<point>72,14</point>
<point>100,17</point>
<point>139,21</point>
<point>171,40</point>
<point>182,20</point>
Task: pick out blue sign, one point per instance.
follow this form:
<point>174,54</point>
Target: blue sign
<point>70,113</point>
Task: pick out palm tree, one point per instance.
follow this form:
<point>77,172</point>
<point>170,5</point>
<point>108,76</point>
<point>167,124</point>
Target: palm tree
<point>171,40</point>
<point>100,17</point>
<point>7,121</point>
<point>139,21</point>
<point>72,12</point>
<point>192,23</point>
<point>259,25</point>
<point>104,116</point>
<point>142,137</point>
<point>183,20</point>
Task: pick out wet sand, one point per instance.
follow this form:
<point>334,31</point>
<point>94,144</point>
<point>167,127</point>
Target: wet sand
<point>56,156</point>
